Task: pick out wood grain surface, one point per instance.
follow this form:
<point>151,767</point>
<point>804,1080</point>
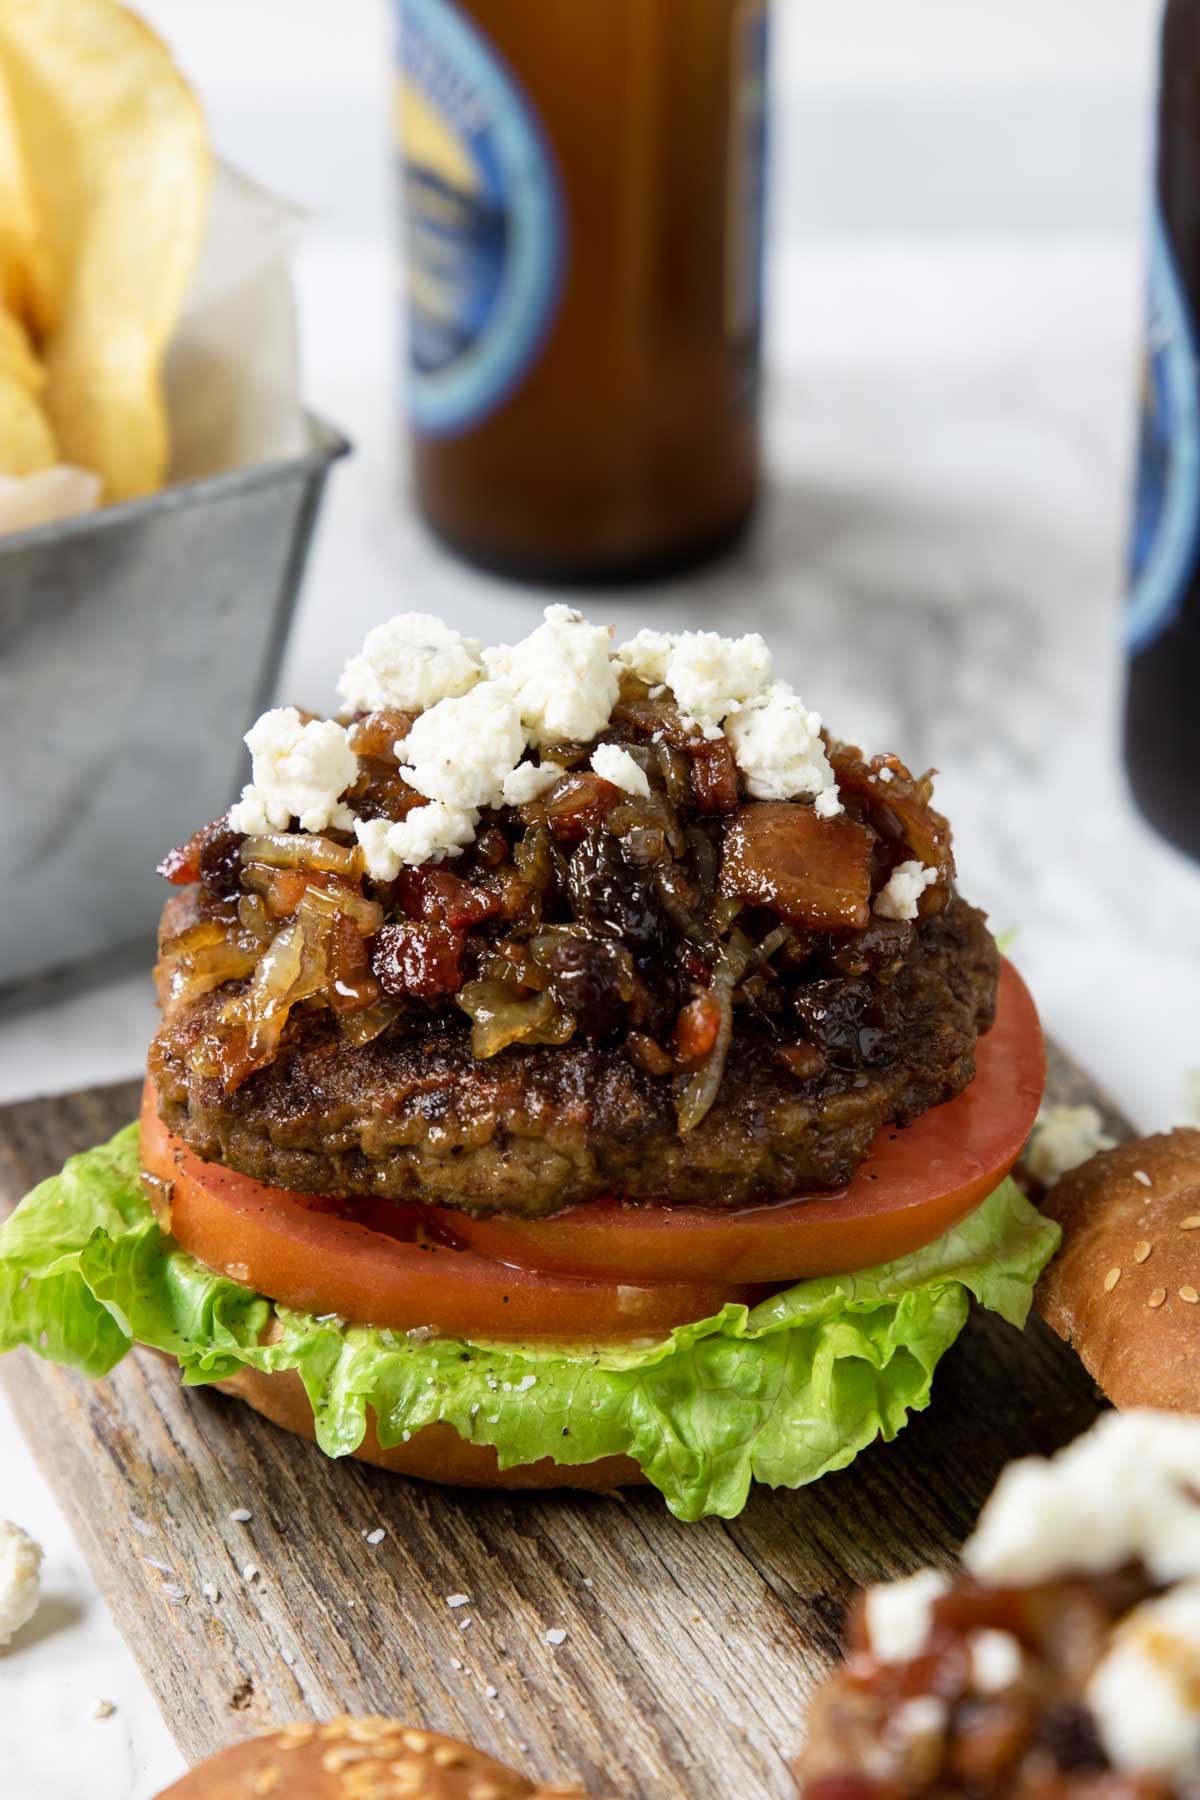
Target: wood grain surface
<point>690,1651</point>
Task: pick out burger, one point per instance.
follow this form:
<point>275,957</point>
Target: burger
<point>576,1067</point>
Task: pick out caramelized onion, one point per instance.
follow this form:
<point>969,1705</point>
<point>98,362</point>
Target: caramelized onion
<point>498,1018</point>
<point>300,850</point>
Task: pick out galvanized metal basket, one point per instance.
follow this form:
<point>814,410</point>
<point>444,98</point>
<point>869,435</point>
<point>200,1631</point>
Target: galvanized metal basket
<point>136,645</point>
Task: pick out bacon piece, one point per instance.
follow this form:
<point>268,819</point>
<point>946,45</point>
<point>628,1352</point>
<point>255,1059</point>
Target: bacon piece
<point>898,806</point>
<point>811,871</point>
<point>418,959</point>
<point>714,775</point>
<point>574,805</point>
<point>430,892</point>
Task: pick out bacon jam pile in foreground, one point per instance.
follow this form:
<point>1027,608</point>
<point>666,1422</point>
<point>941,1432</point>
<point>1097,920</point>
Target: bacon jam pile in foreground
<point>1066,1662</point>
<point>525,1107</point>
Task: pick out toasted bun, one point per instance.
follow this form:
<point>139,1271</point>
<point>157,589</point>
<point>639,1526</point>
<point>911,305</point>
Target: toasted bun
<point>1125,1287</point>
<point>358,1759</point>
<point>435,1454</point>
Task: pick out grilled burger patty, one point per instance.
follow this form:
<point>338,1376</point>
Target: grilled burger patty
<point>534,1129</point>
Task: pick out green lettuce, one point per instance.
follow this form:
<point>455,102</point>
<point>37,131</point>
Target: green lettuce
<point>782,1392</point>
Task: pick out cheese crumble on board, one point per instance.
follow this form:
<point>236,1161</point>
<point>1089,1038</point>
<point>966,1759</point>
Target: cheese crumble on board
<point>1064,1138</point>
<point>484,716</point>
<point>20,1579</point>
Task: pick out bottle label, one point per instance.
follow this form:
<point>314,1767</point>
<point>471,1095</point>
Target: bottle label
<point>484,218</point>
<point>1166,531</point>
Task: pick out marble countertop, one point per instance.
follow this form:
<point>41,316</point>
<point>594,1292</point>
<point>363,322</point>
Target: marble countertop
<point>937,566</point>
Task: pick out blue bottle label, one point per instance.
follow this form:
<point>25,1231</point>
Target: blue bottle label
<point>1166,531</point>
<point>484,219</point>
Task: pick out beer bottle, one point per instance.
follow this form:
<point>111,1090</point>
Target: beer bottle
<point>1162,714</point>
<point>583,185</point>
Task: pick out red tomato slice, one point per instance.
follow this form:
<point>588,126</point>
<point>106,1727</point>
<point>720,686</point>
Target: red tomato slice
<point>304,1252</point>
<point>914,1185</point>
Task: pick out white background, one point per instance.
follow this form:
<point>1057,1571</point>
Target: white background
<point>954,304</point>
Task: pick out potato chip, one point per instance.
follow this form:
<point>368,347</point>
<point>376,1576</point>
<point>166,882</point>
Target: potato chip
<point>26,272</point>
<point>26,440</point>
<point>119,163</point>
<point>18,355</point>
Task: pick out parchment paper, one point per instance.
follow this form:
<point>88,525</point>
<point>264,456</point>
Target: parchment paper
<point>232,376</point>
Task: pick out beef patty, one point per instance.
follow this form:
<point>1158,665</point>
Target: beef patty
<point>532,1130</point>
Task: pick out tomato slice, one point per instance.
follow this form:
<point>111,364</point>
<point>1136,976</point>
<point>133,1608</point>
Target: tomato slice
<point>914,1185</point>
<point>308,1254</point>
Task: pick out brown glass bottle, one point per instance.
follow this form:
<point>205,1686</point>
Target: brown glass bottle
<point>1162,712</point>
<point>583,184</point>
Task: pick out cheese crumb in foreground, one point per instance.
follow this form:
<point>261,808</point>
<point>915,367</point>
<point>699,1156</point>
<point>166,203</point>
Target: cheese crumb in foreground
<point>900,1615</point>
<point>20,1579</point>
<point>777,745</point>
<point>1145,1692</point>
<point>1125,1491</point>
<point>613,764</point>
<point>300,771</point>
<point>410,663</point>
<point>898,898</point>
<point>428,834</point>
<point>1063,1139</point>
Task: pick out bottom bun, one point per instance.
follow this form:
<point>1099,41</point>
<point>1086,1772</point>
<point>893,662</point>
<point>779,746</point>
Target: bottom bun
<point>436,1453</point>
<point>358,1759</point>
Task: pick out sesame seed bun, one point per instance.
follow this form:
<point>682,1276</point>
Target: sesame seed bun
<point>1124,1289</point>
<point>435,1454</point>
<point>358,1759</point>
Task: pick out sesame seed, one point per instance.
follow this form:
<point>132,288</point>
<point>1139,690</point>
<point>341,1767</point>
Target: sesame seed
<point>375,1537</point>
<point>241,1515</point>
<point>1111,1280</point>
<point>556,1636</point>
<point>458,1599</point>
<point>588,1582</point>
<point>289,1657</point>
<point>1190,1295</point>
<point>211,1591</point>
<point>463,1623</point>
<point>103,1709</point>
<point>1141,1251</point>
<point>456,1662</point>
<point>250,1572</point>
<point>1192,1223</point>
<point>1157,1298</point>
<point>491,1692</point>
<point>1141,1175</point>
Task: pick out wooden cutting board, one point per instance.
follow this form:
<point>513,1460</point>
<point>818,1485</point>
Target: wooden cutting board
<point>691,1651</point>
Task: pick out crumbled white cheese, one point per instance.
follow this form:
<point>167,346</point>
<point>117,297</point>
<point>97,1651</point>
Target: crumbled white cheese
<point>300,771</point>
<point>898,898</point>
<point>410,663</point>
<point>561,677</point>
<point>1125,1490</point>
<point>713,677</point>
<point>426,834</point>
<point>616,765</point>
<point>528,781</point>
<point>20,1578</point>
<point>923,1717</point>
<point>996,1661</point>
<point>1063,1139</point>
<point>647,655</point>
<point>900,1615</point>
<point>1145,1692</point>
<point>460,751</point>
<point>777,745</point>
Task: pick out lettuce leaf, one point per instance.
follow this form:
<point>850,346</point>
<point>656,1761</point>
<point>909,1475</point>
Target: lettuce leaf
<point>780,1393</point>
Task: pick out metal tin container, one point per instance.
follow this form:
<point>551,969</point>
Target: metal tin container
<point>136,646</point>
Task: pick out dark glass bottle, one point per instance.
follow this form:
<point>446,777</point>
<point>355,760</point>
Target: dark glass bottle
<point>584,206</point>
<point>1162,712</point>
